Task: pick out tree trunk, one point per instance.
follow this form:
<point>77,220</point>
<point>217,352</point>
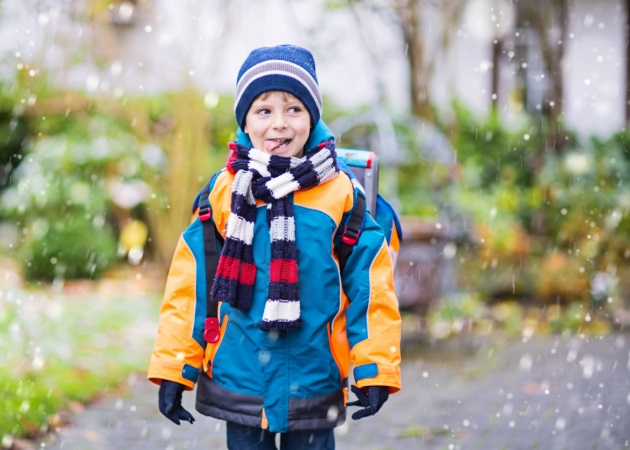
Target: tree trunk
<point>627,61</point>
<point>188,161</point>
<point>410,13</point>
<point>497,49</point>
<point>558,74</point>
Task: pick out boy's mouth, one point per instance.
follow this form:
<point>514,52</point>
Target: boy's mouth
<point>274,144</point>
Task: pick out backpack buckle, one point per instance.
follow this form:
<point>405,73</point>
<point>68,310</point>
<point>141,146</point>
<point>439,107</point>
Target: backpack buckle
<point>211,331</point>
<point>350,237</point>
<point>205,213</point>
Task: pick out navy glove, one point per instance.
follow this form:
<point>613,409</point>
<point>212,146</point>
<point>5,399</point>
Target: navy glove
<point>371,401</point>
<point>170,402</point>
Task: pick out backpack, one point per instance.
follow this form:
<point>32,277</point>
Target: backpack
<point>362,168</point>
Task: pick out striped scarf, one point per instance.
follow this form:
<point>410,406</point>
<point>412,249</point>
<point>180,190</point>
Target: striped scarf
<point>271,179</point>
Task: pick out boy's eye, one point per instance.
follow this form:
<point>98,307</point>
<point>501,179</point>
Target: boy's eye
<point>263,111</point>
<point>295,109</point>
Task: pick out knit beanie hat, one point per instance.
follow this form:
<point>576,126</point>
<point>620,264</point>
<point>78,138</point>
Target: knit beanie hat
<point>282,68</point>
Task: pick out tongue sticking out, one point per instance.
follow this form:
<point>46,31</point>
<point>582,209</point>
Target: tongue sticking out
<point>271,145</point>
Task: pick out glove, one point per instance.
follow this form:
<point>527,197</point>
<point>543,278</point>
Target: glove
<point>371,401</point>
<point>170,402</point>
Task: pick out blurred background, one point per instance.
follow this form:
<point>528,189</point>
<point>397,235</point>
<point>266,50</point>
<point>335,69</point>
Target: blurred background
<point>500,127</point>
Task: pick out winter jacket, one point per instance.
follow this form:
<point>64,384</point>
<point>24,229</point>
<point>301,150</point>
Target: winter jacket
<point>298,381</point>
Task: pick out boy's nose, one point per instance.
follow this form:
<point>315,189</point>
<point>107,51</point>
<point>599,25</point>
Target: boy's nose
<point>279,122</point>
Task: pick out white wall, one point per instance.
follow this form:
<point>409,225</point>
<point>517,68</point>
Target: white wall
<point>595,67</point>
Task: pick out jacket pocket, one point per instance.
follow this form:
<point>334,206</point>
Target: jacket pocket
<point>211,349</point>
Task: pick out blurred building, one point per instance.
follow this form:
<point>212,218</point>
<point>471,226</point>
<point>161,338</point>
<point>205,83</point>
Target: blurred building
<point>154,45</point>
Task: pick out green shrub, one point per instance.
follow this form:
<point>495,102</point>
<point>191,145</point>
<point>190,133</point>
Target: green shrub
<point>72,249</point>
<point>14,128</point>
<point>59,197</point>
<point>549,220</point>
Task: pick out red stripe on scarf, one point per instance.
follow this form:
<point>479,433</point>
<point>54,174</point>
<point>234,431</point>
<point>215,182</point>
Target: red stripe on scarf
<point>230,268</point>
<point>283,271</point>
<point>231,157</point>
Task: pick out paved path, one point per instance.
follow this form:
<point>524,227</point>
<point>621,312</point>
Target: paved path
<point>544,393</point>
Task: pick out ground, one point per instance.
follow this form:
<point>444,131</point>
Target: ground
<point>539,393</point>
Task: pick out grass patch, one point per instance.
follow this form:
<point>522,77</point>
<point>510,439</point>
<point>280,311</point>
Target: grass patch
<point>59,349</point>
<point>418,432</point>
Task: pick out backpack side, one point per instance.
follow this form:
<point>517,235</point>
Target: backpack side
<point>362,168</point>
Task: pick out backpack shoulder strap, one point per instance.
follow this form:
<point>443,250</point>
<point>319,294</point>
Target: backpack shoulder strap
<point>352,230</point>
<point>211,258</point>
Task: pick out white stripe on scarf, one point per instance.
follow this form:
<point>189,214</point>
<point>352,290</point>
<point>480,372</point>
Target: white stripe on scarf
<point>283,185</point>
<point>242,185</point>
<point>281,310</point>
<point>282,229</point>
<point>323,165</point>
<point>239,228</point>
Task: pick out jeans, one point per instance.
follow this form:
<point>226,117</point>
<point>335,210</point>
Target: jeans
<point>240,437</point>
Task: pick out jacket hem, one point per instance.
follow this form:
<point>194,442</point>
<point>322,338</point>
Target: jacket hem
<point>216,401</point>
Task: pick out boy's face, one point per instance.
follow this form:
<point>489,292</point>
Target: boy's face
<point>278,123</point>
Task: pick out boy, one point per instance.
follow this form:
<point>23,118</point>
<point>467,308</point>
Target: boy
<point>291,322</point>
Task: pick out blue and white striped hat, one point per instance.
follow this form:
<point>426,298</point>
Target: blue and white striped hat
<point>282,68</point>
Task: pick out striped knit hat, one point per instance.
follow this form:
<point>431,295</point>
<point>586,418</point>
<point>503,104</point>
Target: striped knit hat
<point>282,68</point>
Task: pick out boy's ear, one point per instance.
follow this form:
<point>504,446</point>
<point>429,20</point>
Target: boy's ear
<point>245,129</point>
